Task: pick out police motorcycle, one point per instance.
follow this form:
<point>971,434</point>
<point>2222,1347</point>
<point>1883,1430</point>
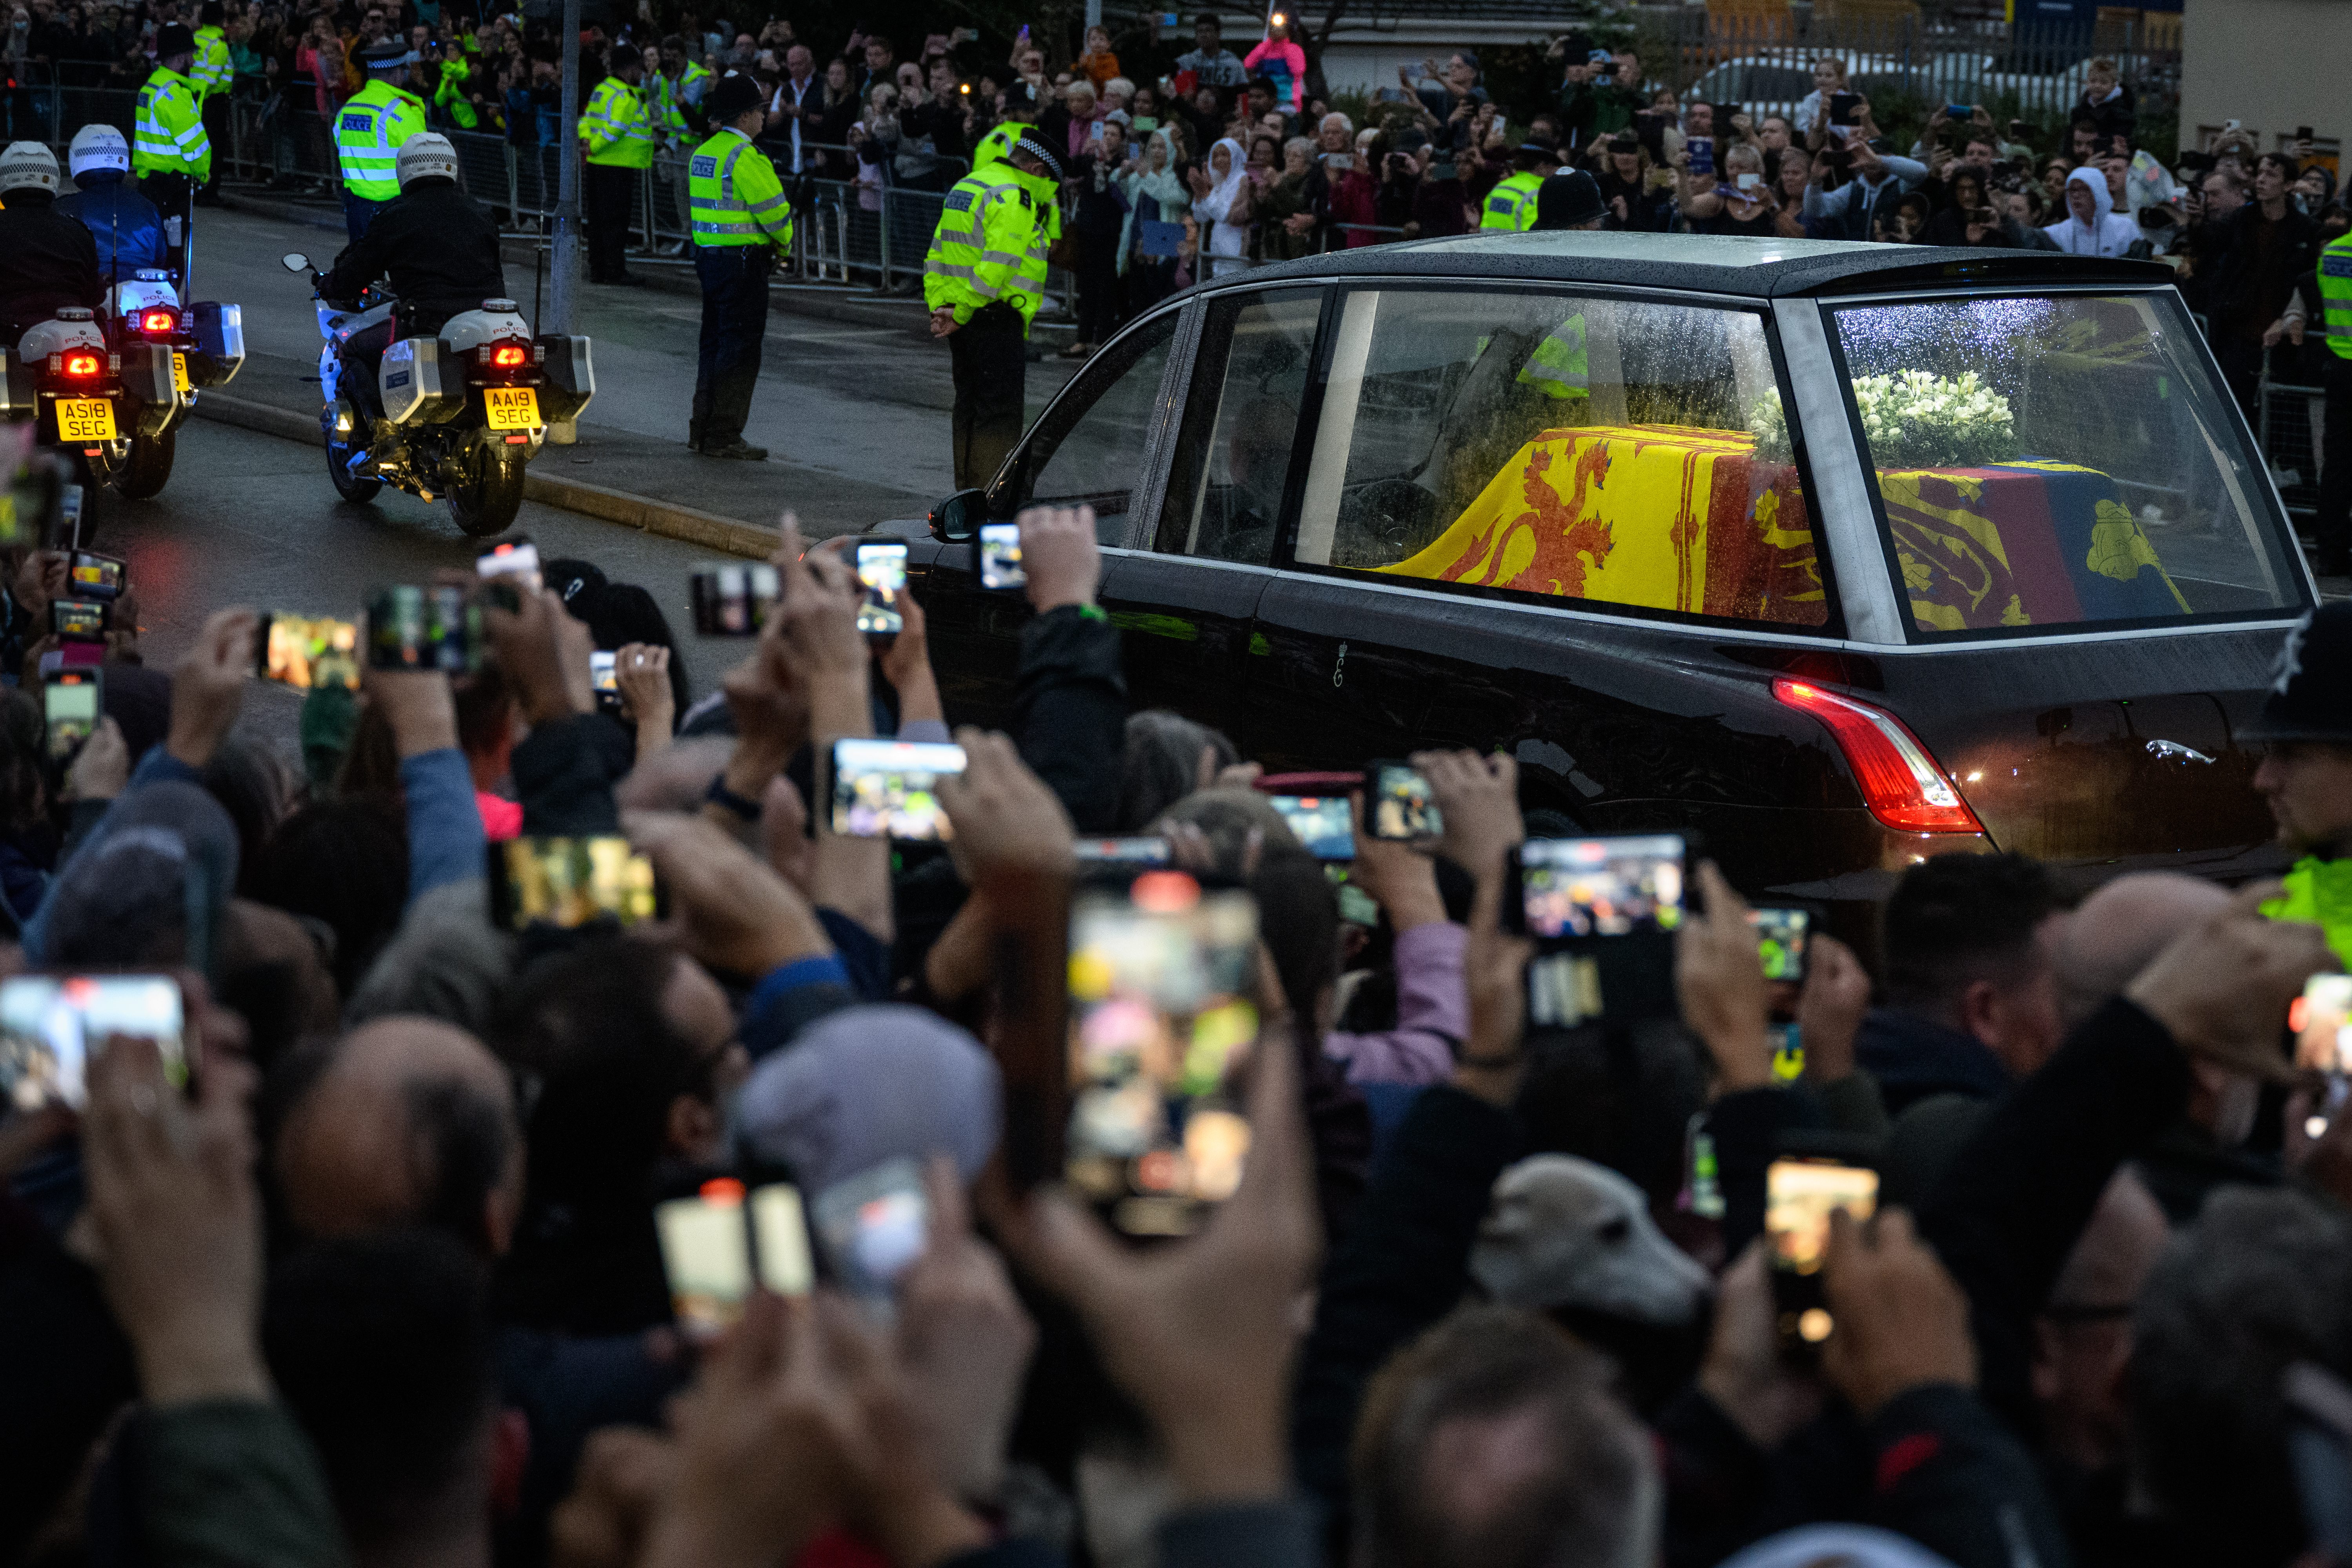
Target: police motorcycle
<point>170,351</point>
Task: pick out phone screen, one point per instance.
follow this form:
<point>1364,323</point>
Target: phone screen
<point>1000,556</point>
<point>1800,1195</point>
<point>883,569</point>
<point>1601,887</point>
<point>516,558</point>
<point>424,628</point>
<point>602,675</point>
<point>70,706</point>
<point>733,600</point>
<point>49,1022</point>
<point>1780,937</point>
<point>873,1225</point>
<point>1122,851</point>
<point>2322,1021</point>
<point>568,882</point>
<point>707,1256</point>
<point>890,789</point>
<point>95,576</point>
<point>1323,823</point>
<point>1158,976</point>
<point>78,620</point>
<point>1401,804</point>
<point>307,652</point>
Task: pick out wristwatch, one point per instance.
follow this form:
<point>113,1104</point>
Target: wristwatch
<point>726,799</point>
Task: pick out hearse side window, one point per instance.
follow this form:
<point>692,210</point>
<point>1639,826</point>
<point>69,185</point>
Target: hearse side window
<point>1591,449</point>
<point>1233,454</point>
<point>2060,461</point>
<point>1091,451</point>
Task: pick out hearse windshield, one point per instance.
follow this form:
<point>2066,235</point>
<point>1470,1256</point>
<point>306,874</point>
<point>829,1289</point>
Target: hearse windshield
<point>2059,461</point>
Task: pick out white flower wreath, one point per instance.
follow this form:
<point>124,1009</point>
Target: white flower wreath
<point>1913,419</point>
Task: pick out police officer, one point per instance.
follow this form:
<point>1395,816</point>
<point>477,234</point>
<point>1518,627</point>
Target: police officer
<point>211,74</point>
<point>984,279</point>
<point>1512,204</point>
<point>1020,112</point>
<point>2332,282</point>
<point>617,137</point>
<point>438,245</point>
<point>128,228</point>
<point>742,227</point>
<point>370,129</point>
<point>1570,199</point>
<point>47,261</point>
<point>170,151</point>
<point>2306,775</point>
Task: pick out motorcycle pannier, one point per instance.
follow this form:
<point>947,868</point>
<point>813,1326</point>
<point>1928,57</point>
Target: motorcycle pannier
<point>413,380</point>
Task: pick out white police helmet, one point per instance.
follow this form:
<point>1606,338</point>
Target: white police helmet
<point>95,149</point>
<point>28,165</point>
<point>426,157</point>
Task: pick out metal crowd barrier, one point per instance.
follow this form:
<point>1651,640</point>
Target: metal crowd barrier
<point>2292,419</point>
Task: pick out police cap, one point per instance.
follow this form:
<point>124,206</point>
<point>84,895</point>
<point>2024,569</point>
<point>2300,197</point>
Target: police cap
<point>1038,148</point>
<point>732,98</point>
<point>173,40</point>
<point>388,54</point>
<point>2311,683</point>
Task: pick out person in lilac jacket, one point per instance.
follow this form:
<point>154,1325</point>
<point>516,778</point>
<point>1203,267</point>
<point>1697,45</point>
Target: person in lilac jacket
<point>1433,1008</point>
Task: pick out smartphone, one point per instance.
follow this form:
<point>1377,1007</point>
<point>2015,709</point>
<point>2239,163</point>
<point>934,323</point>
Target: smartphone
<point>1158,975</point>
<point>890,789</point>
<point>424,628</point>
<point>1841,107</point>
<point>1343,162</point>
<point>2303,132</point>
<point>1000,556</point>
<point>1325,827</point>
<point>49,1022</point>
<point>94,576</point>
<point>567,883</point>
<point>69,710</point>
<point>1135,852</point>
<point>883,569</point>
<point>1702,155</point>
<point>1959,111</point>
<point>603,679</point>
<point>714,1245</point>
<point>1398,802</point>
<point>1748,182</point>
<point>516,558</point>
<point>1576,888</point>
<point>733,600</point>
<point>871,1226</point>
<point>1801,1192</point>
<point>1780,935</point>
<point>77,620</point>
<point>307,652</point>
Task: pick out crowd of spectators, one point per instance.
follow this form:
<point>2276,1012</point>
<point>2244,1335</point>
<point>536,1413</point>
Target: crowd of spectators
<point>379,1278</point>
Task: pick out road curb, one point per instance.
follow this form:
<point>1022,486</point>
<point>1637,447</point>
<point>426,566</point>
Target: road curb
<point>641,512</point>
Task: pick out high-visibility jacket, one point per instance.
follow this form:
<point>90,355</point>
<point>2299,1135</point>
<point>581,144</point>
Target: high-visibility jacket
<point>370,131</point>
<point>169,137</point>
<point>2320,893</point>
<point>615,126</point>
<point>676,95</point>
<point>734,195</point>
<point>1560,368</point>
<point>991,244</point>
<point>997,145</point>
<point>213,71</point>
<point>1512,204</point>
<point>2336,294</point>
<point>449,92</point>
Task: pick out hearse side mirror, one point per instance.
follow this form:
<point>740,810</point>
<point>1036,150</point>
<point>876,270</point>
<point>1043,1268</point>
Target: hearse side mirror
<point>957,520</point>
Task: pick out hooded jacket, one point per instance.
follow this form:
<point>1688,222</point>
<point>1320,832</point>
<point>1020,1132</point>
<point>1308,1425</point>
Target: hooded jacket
<point>2107,234</point>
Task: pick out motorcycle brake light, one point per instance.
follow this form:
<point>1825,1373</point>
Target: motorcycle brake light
<point>81,364</point>
<point>1900,782</point>
<point>157,322</point>
<point>507,356</point>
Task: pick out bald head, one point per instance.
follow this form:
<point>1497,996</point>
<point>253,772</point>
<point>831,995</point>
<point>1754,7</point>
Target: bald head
<point>407,1120</point>
<point>2119,930</point>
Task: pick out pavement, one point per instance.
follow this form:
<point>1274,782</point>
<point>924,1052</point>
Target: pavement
<point>852,402</point>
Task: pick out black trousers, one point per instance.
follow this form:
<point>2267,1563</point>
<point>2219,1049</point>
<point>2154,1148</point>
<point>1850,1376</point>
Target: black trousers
<point>734,325</point>
<point>2332,528</point>
<point>609,190</point>
<point>215,118</point>
<point>989,354</point>
<point>170,193</point>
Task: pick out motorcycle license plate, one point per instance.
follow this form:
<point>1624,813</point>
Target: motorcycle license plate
<point>180,373</point>
<point>85,419</point>
<point>512,408</point>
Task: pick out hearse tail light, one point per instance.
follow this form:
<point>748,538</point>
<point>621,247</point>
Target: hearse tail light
<point>1900,782</point>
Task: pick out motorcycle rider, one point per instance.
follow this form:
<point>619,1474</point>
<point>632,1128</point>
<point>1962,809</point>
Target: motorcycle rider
<point>129,230</point>
<point>440,248</point>
<point>46,259</point>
